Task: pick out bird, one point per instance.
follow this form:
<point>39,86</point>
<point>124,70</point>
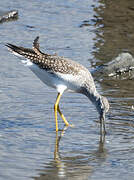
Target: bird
<point>63,74</point>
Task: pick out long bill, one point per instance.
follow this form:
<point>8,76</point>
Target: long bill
<point>102,124</point>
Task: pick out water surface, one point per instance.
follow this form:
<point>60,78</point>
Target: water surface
<point>90,33</point>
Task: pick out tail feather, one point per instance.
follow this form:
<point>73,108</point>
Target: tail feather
<point>19,50</point>
<point>36,47</point>
<point>34,55</point>
<point>23,53</point>
<point>26,51</point>
<point>36,43</point>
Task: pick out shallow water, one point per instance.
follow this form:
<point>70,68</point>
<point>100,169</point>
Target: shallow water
<point>90,33</point>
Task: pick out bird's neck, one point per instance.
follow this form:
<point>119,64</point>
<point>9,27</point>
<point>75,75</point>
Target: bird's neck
<point>94,97</point>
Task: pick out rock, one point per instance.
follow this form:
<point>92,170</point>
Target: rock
<point>8,16</point>
<point>123,63</point>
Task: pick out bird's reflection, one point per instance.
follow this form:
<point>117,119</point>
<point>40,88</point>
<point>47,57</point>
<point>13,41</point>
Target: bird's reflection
<point>78,166</point>
<point>57,141</point>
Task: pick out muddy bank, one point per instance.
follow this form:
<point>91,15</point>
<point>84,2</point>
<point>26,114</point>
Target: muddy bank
<point>114,23</point>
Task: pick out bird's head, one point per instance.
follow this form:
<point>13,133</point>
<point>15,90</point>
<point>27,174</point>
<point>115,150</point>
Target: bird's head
<point>101,103</point>
<point>102,106</point>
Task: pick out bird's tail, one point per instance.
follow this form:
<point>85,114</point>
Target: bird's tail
<point>20,51</point>
<point>32,54</point>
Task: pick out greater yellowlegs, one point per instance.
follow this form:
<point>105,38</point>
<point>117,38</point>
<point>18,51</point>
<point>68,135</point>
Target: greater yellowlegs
<point>64,75</point>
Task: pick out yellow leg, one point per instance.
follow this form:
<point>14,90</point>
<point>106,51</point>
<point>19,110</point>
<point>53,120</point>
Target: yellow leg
<point>63,117</point>
<point>56,108</point>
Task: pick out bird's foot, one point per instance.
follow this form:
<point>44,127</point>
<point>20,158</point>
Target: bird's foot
<point>71,125</point>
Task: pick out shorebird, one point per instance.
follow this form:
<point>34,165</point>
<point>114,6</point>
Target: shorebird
<point>62,74</point>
